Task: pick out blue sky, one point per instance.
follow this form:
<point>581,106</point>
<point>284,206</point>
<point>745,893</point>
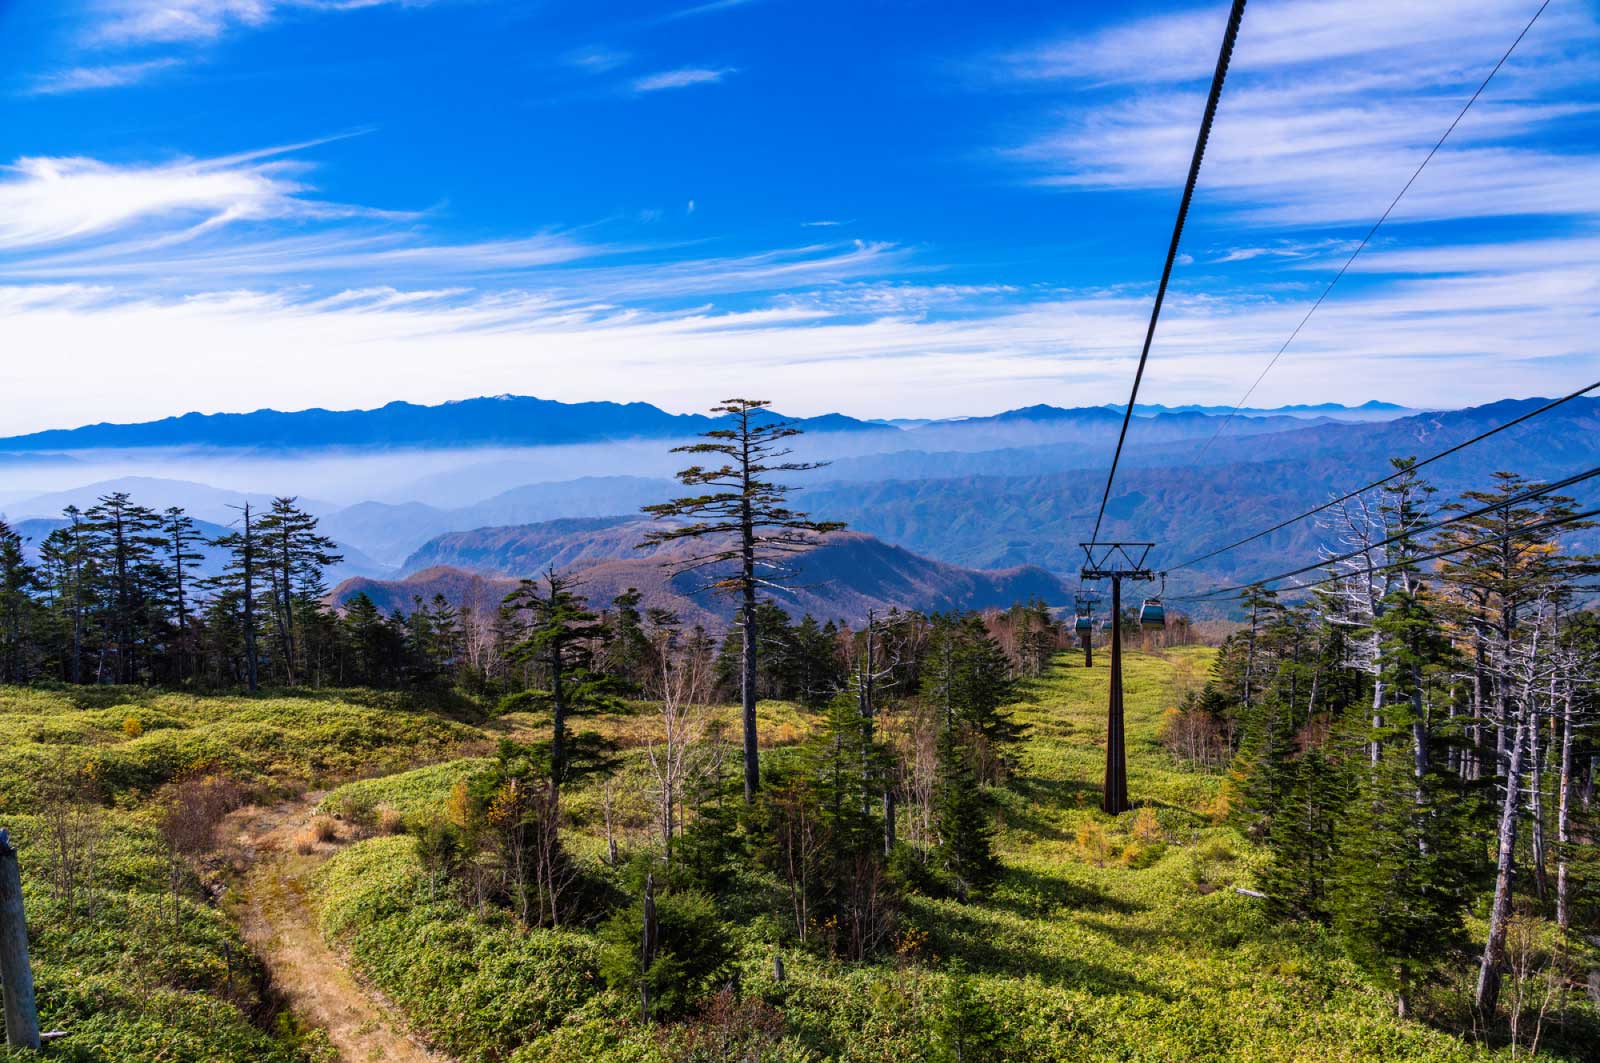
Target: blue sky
<point>885,208</point>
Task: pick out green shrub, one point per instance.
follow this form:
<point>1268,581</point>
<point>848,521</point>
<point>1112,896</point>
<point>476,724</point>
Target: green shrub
<point>693,951</point>
<point>965,1027</point>
<point>478,986</point>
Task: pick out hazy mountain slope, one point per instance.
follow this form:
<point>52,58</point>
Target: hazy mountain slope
<point>388,531</point>
<point>585,497</point>
<point>527,549</point>
<point>1026,504</point>
<point>841,578</point>
<point>987,521</point>
<point>201,501</point>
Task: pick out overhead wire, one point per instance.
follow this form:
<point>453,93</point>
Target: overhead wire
<point>1370,232</point>
<point>1229,37</point>
<point>1429,460</point>
<point>1525,529</point>
<point>1535,491</point>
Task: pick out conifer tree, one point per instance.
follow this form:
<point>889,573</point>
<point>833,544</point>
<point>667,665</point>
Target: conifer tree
<point>1406,863</point>
<point>237,585</point>
<point>69,573</point>
<point>124,538</point>
<point>965,1028</point>
<point>963,821</point>
<point>560,641</point>
<point>1301,837</point>
<point>294,555</point>
<point>181,543</point>
<point>628,653</point>
<point>18,610</point>
<point>747,531</point>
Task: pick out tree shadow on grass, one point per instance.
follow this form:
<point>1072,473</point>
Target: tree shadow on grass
<point>966,935</point>
<point>1127,936</point>
<point>101,697</point>
<point>1034,894</point>
<point>1070,794</point>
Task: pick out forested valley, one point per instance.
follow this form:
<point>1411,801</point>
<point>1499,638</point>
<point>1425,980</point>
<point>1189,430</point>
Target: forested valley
<point>1364,821</point>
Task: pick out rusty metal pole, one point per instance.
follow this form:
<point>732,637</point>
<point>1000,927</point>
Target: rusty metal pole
<point>1115,798</point>
<point>16,976</point>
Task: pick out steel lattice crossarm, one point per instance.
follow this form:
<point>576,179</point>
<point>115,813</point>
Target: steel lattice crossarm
<point>1122,560</point>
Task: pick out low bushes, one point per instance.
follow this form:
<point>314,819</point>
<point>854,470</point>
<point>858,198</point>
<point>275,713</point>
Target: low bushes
<point>478,986</point>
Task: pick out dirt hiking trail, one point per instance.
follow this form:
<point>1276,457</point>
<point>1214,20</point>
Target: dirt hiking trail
<point>279,920</point>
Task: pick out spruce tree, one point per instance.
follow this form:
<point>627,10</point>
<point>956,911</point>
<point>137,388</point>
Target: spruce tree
<point>124,538</point>
<point>1405,867</point>
<point>560,640</point>
<point>1302,838</point>
<point>181,543</point>
<point>70,573</point>
<point>963,821</point>
<point>236,587</point>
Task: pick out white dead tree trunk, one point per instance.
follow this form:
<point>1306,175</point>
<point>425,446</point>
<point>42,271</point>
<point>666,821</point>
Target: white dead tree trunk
<point>1523,676</point>
<point>1357,599</point>
<point>1575,670</point>
<point>682,726</point>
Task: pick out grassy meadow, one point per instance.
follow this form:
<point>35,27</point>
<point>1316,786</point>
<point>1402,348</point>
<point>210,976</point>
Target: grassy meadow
<point>1107,938</point>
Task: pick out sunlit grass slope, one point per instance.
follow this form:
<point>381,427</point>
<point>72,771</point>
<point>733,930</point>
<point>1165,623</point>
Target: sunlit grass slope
<point>111,968</point>
<point>1109,938</point>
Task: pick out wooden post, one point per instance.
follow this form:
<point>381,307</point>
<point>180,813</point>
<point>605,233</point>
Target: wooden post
<point>16,976</point>
<point>1115,798</point>
<point>648,947</point>
<point>1088,649</point>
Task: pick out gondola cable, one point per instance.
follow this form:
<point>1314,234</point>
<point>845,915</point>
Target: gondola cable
<point>1370,232</point>
<point>1524,529</point>
<point>1536,491</point>
<point>1229,37</point>
<point>1392,476</point>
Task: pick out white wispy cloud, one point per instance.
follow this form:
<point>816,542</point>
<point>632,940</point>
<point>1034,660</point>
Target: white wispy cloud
<point>82,78</point>
<point>1330,106</point>
<point>115,23</point>
<point>679,79</point>
<point>45,201</point>
<point>1285,249</point>
<point>597,60</point>
<point>710,7</point>
<point>200,224</point>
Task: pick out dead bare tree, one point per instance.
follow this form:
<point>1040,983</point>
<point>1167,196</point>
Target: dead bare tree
<point>1371,530</point>
<point>914,736</point>
<point>188,826</point>
<point>675,681</point>
<point>1538,982</point>
<point>74,827</point>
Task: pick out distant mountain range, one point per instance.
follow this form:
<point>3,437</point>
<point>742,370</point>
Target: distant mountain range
<point>1367,411</point>
<point>841,578</point>
<point>501,420</point>
<point>520,420</point>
